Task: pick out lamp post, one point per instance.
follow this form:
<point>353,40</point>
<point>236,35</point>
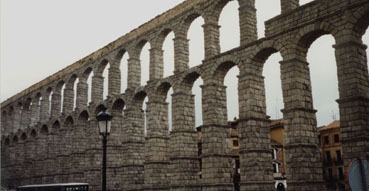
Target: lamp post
<point>104,124</point>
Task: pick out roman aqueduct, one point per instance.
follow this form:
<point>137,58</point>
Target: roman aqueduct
<point>40,144</point>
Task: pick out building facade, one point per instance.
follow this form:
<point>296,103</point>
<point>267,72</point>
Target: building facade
<point>331,150</point>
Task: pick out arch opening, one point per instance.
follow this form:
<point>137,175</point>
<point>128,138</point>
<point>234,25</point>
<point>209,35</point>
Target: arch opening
<point>193,83</point>
<point>323,68</point>
<point>365,40</point>
<point>123,70</point>
<point>273,85</point>
<point>140,101</point>
<point>33,134</point>
<point>229,27</point>
<point>195,35</point>
<point>144,56</point>
<point>23,137</point>
<point>69,122</point>
<point>89,86</point>
<point>15,140</point>
<point>44,130</point>
<point>83,117</point>
<point>118,107</point>
<point>56,125</point>
<point>100,108</point>
<point>168,54</point>
<point>265,11</point>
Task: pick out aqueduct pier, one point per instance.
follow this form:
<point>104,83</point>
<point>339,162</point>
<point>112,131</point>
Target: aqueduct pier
<point>41,144</point>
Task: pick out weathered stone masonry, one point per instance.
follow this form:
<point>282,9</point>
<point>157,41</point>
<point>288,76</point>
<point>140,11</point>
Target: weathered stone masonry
<point>46,140</point>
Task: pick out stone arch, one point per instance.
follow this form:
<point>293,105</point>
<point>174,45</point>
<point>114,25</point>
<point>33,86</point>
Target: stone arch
<point>144,67</point>
<point>189,79</point>
<point>118,106</point>
<point>121,53</point>
<point>27,104</point>
<point>33,134</point>
<point>359,21</point>
<point>44,130</point>
<point>139,97</point>
<point>222,70</point>
<point>162,91</point>
<point>4,121</point>
<point>56,125</point>
<point>217,10</point>
<point>59,86</point>
<point>138,47</point>
<point>7,141</point>
<point>100,108</point>
<point>307,35</point>
<point>15,139</point>
<point>186,23</point>
<point>85,74</point>
<point>162,36</point>
<point>228,19</point>
<point>24,137</point>
<point>101,67</point>
<point>69,121</point>
<point>123,67</point>
<point>83,117</point>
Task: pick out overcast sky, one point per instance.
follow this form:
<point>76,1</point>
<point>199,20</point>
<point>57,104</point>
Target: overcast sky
<point>41,37</point>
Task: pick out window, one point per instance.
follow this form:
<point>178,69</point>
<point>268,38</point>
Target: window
<point>330,174</point>
<point>235,143</point>
<point>326,140</point>
<point>328,156</point>
<point>338,155</point>
<point>275,168</point>
<point>340,173</point>
<point>336,138</point>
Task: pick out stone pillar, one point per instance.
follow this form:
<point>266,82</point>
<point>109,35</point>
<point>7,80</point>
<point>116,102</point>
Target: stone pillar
<point>211,37</point>
<point>156,63</point>
<point>9,123</point>
<point>181,55</point>
<point>41,157</point>
<point>25,117</point>
<point>11,165</point>
<point>44,108</point>
<point>35,113</point>
<point>114,79</point>
<point>78,151</point>
<point>133,144</point>
<point>68,98</point>
<point>5,167</point>
<point>288,5</point>
<point>255,149</point>
<point>184,163</point>
<point>55,104</point>
<point>63,154</point>
<point>51,162</point>
<point>134,73</point>
<point>82,94</point>
<point>97,88</point>
<point>92,172</point>
<point>247,15</point>
<point>17,119</point>
<point>304,167</point>
<point>217,172</point>
<point>27,164</point>
<point>156,148</point>
<point>19,169</point>
<point>353,103</point>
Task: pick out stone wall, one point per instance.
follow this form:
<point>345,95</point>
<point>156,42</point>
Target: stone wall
<point>45,141</point>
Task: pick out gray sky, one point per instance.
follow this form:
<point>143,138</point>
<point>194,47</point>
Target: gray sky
<point>41,37</point>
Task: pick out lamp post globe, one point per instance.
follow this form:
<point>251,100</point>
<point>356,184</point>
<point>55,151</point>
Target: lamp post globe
<point>104,125</point>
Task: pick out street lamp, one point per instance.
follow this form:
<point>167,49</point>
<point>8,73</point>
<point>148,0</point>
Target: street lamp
<point>104,124</point>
